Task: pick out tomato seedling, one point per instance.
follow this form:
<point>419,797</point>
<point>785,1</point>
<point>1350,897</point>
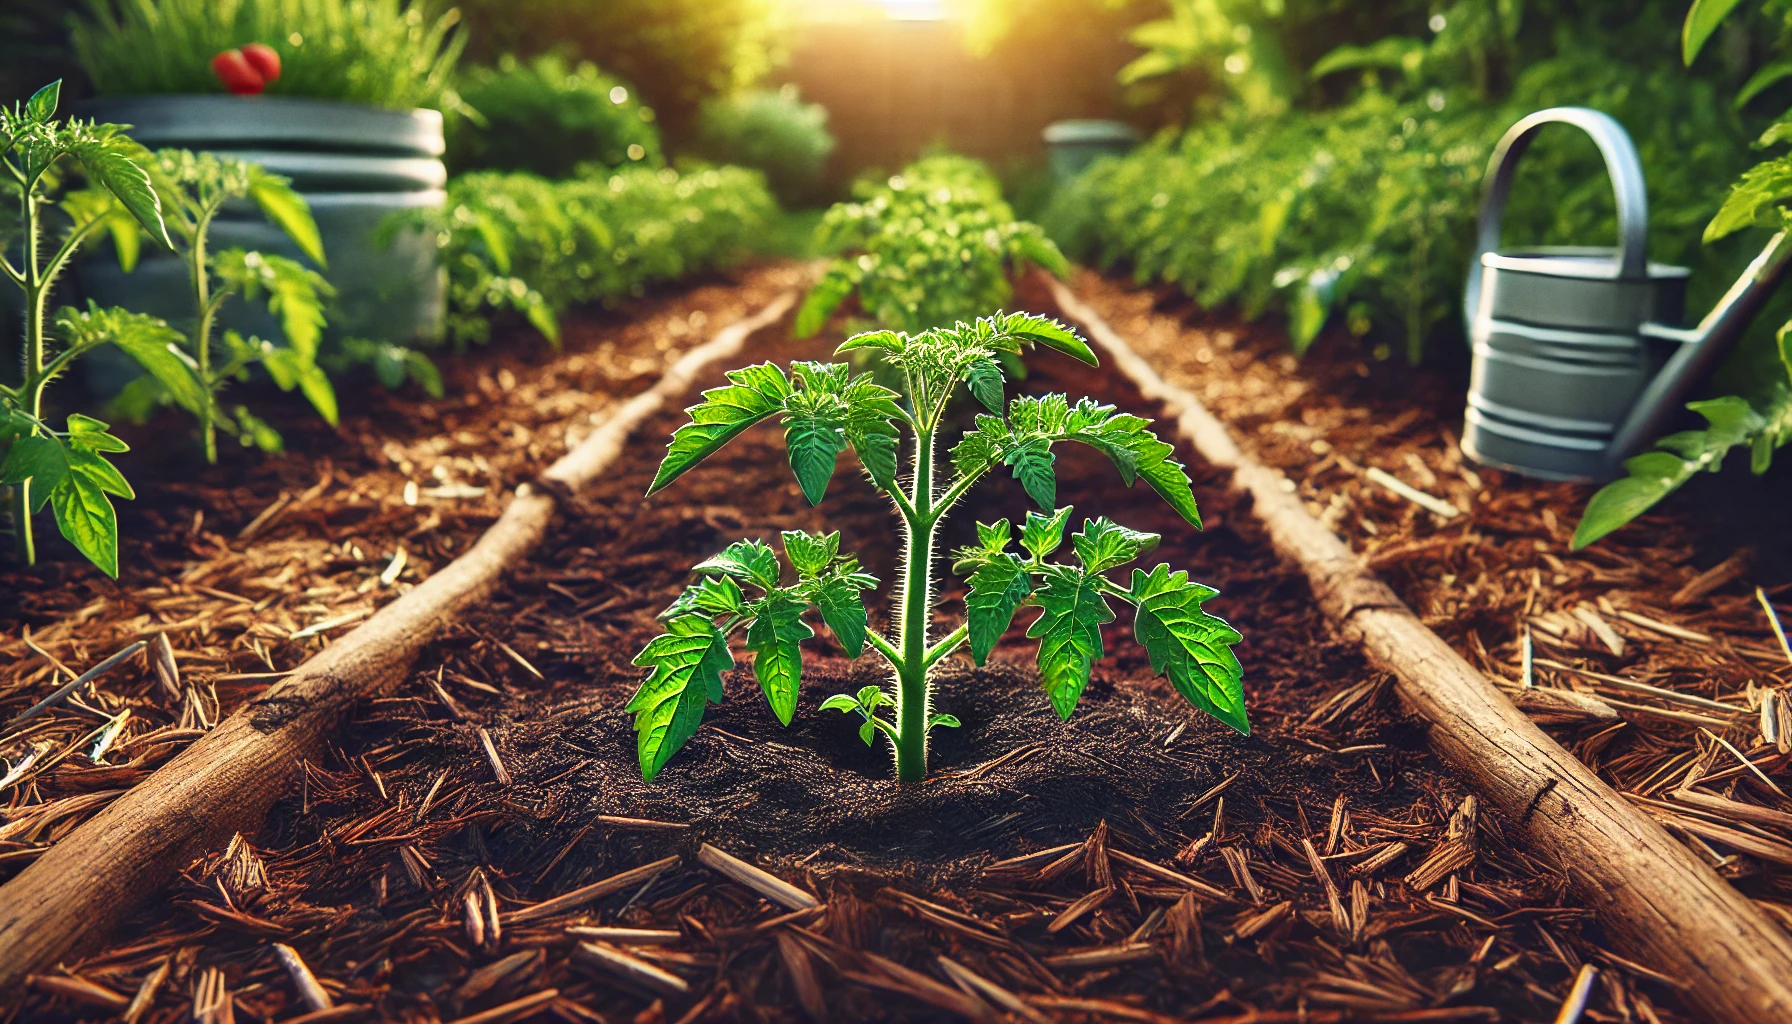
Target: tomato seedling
<point>195,188</point>
<point>67,469</point>
<point>824,409</point>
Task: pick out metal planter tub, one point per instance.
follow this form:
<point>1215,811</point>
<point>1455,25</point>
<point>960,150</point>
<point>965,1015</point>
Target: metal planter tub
<point>356,165</point>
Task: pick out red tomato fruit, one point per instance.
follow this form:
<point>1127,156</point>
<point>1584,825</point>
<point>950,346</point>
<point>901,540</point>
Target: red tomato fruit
<point>234,70</point>
<point>264,60</point>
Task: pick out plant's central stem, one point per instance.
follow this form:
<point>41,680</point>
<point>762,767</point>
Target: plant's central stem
<point>202,336</point>
<point>912,703</point>
<point>32,388</point>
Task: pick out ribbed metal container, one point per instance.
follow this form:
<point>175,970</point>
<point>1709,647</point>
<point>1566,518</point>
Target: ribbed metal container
<point>1074,145</point>
<point>1560,358</point>
<point>356,165</point>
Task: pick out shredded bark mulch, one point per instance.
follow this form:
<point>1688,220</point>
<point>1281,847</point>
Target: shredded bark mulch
<point>1138,862</point>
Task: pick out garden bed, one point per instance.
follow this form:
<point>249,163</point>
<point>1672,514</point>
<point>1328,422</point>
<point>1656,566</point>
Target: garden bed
<point>501,773</point>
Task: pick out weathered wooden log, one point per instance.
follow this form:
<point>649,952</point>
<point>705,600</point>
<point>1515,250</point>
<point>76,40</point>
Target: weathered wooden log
<point>1659,903</point>
<point>227,781</point>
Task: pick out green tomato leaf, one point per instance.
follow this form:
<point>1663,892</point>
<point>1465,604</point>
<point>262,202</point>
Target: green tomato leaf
<point>997,589</point>
<point>1701,21</point>
<point>254,430</point>
<point>1731,422</point>
<point>775,639</point>
<point>840,702</point>
<point>1187,645</point>
<point>91,465</point>
<point>1653,476</point>
<point>115,163</point>
<point>748,561</point>
<point>1045,331</point>
<point>873,697</point>
<point>984,376</point>
<point>41,107</point>
<point>287,210</point>
<point>1069,633</point>
<point>993,537</point>
<point>1753,199</point>
<point>1042,535</point>
<point>809,553</point>
<point>88,434</point>
<point>871,411</point>
<point>686,664</point>
<point>1136,452</point>
<point>942,722</point>
<point>85,516</point>
<point>888,341</point>
<point>815,442</point>
<point>753,394</point>
<point>153,344</point>
<point>1033,464</point>
<point>1103,544</point>
<point>868,732</point>
<point>843,609</point>
<point>41,460</point>
<point>718,595</point>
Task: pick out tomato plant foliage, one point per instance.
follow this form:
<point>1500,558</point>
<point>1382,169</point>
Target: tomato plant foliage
<point>67,470</point>
<point>826,409</point>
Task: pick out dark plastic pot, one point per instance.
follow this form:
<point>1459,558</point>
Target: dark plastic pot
<point>356,165</point>
<point>1074,145</point>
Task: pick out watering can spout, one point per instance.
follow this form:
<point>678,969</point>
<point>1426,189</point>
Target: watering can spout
<point>1700,350</point>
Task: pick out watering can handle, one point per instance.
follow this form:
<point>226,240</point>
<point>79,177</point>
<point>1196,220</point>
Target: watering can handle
<point>1621,164</point>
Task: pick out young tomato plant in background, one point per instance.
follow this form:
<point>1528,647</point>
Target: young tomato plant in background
<point>934,245</point>
<point>67,470</point>
<point>194,188</point>
<point>824,408</point>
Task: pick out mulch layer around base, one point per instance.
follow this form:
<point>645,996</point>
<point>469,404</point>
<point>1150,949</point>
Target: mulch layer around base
<point>1138,862</point>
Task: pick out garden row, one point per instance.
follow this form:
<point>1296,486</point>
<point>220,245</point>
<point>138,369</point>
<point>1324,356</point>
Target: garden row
<point>485,825</point>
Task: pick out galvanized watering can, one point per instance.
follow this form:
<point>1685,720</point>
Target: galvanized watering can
<point>1578,362</point>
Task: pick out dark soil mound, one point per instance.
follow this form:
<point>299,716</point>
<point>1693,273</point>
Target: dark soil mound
<point>1012,778</point>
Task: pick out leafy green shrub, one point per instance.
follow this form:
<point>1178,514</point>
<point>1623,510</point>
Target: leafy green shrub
<point>773,132</point>
<point>934,245</point>
<point>523,243</point>
<point>824,408</point>
<point>391,53</point>
<point>1760,420</point>
<point>677,52</point>
<point>546,118</point>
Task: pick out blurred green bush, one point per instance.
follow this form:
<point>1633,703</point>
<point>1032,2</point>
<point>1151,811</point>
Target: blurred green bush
<point>547,118</point>
<point>773,132</point>
<point>677,52</point>
<point>518,242</point>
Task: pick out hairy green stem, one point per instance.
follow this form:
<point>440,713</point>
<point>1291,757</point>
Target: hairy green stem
<point>202,335</point>
<point>916,606</point>
<point>31,388</point>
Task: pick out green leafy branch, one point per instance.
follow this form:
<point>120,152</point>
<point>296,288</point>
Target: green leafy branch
<point>66,470</point>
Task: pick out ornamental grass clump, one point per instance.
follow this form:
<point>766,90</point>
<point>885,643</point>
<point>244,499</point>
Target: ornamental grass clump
<point>824,409</point>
